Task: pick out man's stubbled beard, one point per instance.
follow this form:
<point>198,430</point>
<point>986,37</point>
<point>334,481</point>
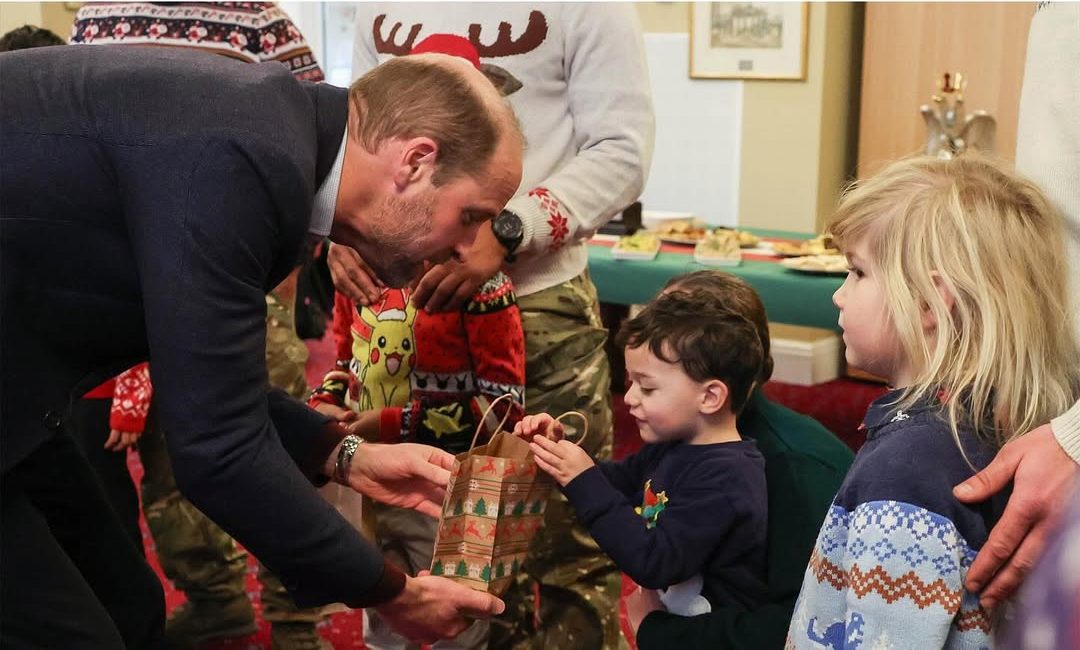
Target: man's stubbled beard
<point>402,225</point>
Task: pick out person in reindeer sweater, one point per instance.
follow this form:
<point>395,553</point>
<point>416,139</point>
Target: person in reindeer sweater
<point>408,375</point>
<point>582,96</point>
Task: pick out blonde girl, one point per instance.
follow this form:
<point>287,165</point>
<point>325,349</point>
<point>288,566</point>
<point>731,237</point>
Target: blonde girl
<point>956,294</point>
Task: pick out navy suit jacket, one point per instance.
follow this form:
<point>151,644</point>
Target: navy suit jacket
<point>149,198</point>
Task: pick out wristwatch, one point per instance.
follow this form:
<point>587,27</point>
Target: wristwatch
<point>509,232</point>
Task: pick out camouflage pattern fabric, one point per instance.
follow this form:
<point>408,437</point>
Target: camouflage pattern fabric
<point>405,538</point>
<point>566,369</point>
<point>195,553</point>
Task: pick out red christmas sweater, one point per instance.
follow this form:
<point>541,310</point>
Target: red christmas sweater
<point>431,376</point>
<point>130,394</point>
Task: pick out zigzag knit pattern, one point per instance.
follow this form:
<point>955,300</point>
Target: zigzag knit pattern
<point>888,575</point>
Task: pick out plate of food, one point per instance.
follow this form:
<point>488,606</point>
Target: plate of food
<point>817,264</point>
<point>719,248</point>
<point>746,240</point>
<point>641,245</point>
<point>820,245</point>
<point>681,231</point>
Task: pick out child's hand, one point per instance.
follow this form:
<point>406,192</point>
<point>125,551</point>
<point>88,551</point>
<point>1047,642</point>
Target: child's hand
<point>563,460</point>
<point>539,425</point>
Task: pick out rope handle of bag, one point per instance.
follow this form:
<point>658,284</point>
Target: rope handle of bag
<point>506,416</point>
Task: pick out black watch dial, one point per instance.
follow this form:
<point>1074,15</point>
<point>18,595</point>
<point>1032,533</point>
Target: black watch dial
<point>508,230</point>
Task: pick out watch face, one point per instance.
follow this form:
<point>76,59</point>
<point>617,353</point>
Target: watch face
<point>507,226</point>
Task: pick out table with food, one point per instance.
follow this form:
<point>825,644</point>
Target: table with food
<point>795,273</point>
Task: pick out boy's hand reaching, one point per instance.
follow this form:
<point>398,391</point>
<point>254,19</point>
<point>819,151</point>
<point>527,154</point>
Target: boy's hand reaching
<point>542,425</point>
<point>562,459</point>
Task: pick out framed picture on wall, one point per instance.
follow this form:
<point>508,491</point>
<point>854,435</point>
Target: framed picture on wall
<point>748,40</point>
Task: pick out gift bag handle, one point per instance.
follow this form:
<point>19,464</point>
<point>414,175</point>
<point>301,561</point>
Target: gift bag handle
<point>584,420</point>
<point>483,418</point>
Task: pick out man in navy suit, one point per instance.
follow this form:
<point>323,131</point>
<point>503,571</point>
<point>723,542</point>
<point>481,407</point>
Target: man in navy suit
<point>144,214</point>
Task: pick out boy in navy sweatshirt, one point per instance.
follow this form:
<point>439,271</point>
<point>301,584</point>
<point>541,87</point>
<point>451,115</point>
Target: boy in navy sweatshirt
<point>687,513</point>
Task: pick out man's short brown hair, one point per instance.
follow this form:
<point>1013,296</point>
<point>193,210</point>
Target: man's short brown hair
<point>706,338</point>
<point>736,294</point>
<point>409,97</point>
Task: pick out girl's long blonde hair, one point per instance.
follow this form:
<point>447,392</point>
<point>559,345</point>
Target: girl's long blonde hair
<point>993,241</point>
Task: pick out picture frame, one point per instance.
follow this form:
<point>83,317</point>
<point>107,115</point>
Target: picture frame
<point>749,40</point>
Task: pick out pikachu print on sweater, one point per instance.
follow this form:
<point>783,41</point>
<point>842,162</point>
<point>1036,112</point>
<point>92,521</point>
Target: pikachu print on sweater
<point>389,353</point>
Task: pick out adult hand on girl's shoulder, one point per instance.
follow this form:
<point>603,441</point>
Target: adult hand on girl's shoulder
<point>1043,475</point>
<point>563,460</point>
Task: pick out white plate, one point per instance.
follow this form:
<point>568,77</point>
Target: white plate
<point>679,239</point>
<point>801,264</point>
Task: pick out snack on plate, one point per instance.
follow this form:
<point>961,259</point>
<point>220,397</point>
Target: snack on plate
<point>748,240</point>
<point>638,246</point>
<point>818,263</point>
<point>719,247</point>
<point>681,230</point>
<point>820,245</point>
<point>639,241</point>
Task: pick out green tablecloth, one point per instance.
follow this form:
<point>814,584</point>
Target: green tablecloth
<point>789,297</point>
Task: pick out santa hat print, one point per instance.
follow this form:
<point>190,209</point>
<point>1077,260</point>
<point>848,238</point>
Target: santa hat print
<point>392,306</point>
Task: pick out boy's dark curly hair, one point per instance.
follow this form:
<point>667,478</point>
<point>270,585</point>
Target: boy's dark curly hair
<point>28,36</point>
<point>707,338</point>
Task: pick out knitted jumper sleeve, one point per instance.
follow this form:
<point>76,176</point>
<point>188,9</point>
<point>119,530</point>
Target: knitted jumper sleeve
<point>279,39</point>
<point>496,344</point>
<point>889,563</point>
<point>608,85</point>
<point>678,545</point>
<point>335,383</point>
<point>1067,431</point>
<point>131,400</point>
<point>1048,151</point>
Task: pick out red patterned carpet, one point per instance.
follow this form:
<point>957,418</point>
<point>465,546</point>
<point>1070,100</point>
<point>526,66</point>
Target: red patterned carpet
<point>838,405</point>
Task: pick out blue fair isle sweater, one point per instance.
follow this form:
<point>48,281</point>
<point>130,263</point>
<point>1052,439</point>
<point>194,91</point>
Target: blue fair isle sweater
<point>889,563</point>
<point>673,511</point>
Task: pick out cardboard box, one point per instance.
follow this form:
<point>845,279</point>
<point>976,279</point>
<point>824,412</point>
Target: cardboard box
<point>805,355</point>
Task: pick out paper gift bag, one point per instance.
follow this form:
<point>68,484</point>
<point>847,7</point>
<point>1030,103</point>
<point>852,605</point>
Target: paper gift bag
<point>493,508</point>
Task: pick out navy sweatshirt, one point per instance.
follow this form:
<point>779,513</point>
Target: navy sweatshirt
<point>674,510</point>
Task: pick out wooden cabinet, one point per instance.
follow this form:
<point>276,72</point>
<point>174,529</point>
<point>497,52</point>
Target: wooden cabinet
<point>907,47</point>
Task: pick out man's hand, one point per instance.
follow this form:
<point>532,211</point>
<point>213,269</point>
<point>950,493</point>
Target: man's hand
<point>352,276</point>
<point>563,460</point>
<point>541,424</point>
<point>639,604</point>
<point>1042,474</point>
<point>433,608</point>
<point>405,475</point>
<point>447,286</point>
<point>121,440</point>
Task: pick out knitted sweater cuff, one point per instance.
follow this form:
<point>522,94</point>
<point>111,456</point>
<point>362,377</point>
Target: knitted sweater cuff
<point>390,425</point>
<point>1067,431</point>
<point>533,223</point>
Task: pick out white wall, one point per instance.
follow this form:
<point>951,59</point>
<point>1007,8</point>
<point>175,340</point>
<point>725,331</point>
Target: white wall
<point>695,166</point>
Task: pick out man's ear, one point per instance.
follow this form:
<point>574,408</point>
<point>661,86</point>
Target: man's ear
<point>928,321</point>
<point>713,397</point>
<point>416,161</point>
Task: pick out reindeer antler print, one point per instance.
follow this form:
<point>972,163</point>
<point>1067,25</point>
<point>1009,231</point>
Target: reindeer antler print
<point>504,44</point>
<point>389,45</point>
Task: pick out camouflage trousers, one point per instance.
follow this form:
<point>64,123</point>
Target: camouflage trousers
<point>577,585</point>
<point>195,553</point>
<point>407,540</point>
